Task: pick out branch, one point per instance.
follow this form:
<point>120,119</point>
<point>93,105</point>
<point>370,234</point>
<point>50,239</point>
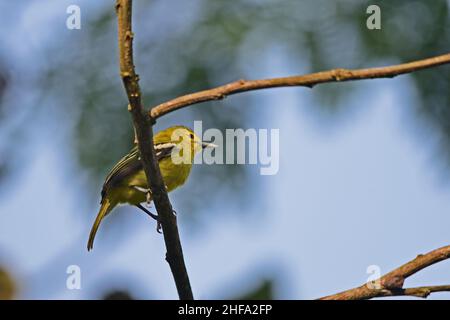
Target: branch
<point>309,80</point>
<point>144,134</point>
<point>391,284</point>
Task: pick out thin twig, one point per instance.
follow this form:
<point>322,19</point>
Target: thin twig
<point>391,284</point>
<point>309,80</point>
<point>144,133</point>
<point>420,292</point>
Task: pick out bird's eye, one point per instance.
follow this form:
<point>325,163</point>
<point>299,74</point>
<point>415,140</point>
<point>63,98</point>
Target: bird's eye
<point>192,136</point>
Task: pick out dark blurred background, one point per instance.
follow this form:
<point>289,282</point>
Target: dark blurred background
<point>364,165</point>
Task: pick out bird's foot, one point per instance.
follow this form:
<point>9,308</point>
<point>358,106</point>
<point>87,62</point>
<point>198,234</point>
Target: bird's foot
<point>149,196</point>
<point>158,226</point>
<point>154,216</point>
<point>148,193</point>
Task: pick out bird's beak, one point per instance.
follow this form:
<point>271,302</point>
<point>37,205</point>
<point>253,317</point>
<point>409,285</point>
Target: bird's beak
<point>208,145</point>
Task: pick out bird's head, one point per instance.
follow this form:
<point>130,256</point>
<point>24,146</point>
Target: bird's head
<point>183,138</point>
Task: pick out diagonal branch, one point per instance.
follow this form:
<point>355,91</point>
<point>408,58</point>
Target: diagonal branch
<point>144,134</point>
<point>391,284</point>
<point>309,80</point>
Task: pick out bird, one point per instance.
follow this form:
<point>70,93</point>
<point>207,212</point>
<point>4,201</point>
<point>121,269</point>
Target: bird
<point>126,183</point>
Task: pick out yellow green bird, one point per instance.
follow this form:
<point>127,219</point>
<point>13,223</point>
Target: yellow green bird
<point>175,149</point>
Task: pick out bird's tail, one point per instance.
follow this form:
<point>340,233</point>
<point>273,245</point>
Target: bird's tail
<point>104,210</point>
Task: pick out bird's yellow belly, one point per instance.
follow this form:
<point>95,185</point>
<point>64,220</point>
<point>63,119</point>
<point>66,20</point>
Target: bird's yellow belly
<point>128,193</point>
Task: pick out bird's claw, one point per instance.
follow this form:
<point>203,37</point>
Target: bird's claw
<point>148,193</point>
<point>149,197</point>
<point>158,227</point>
<point>154,216</point>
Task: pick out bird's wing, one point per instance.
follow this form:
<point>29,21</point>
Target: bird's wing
<point>131,163</point>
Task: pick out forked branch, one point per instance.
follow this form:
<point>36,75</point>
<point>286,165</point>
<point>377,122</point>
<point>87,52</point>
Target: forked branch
<point>391,284</point>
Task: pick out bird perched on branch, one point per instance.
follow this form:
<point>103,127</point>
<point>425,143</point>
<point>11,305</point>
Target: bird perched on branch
<point>175,149</point>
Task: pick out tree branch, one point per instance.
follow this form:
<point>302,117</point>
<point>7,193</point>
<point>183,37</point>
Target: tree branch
<point>391,284</point>
<point>309,80</point>
<point>144,133</point>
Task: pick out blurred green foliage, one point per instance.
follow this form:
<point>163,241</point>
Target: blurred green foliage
<point>7,285</point>
<point>118,295</point>
<point>264,291</point>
